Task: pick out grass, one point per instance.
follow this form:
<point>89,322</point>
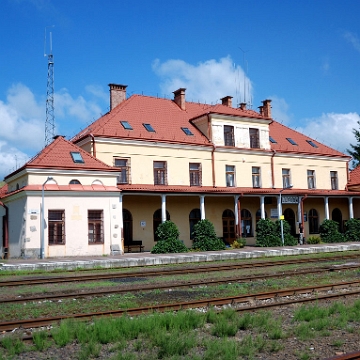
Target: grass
<point>192,334</point>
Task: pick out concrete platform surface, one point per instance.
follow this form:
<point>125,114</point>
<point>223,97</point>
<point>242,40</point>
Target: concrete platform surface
<point>148,259</point>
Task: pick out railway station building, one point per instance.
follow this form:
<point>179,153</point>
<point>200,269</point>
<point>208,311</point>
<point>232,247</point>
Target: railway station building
<point>152,159</point>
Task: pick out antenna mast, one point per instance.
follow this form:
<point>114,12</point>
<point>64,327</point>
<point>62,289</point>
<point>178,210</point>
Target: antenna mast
<point>50,116</point>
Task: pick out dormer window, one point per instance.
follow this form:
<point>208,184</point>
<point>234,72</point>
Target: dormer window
<point>126,125</point>
<point>149,128</point>
<point>254,138</point>
<point>229,135</point>
<point>75,182</point>
<point>291,141</point>
<point>187,131</point>
<point>76,156</point>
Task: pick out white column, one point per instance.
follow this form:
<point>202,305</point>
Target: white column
<point>236,198</point>
<point>202,207</point>
<point>299,210</point>
<point>351,208</point>
<point>163,208</point>
<point>121,223</point>
<point>326,207</point>
<point>262,206</point>
<point>279,206</point>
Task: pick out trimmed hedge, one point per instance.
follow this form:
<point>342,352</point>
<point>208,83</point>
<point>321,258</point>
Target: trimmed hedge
<point>205,238</point>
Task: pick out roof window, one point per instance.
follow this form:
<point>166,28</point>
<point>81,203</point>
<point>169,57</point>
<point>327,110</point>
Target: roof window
<point>291,141</point>
<point>187,131</point>
<point>126,125</point>
<point>149,128</point>
<point>312,143</point>
<point>76,156</point>
<point>272,140</point>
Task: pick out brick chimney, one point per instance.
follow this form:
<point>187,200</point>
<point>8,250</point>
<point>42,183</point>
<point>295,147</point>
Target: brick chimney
<point>117,94</point>
<point>243,106</point>
<point>267,108</point>
<point>179,98</point>
<point>227,100</point>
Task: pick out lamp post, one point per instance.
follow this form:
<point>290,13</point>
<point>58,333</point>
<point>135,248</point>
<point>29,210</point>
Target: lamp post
<point>282,216</point>
<point>42,221</point>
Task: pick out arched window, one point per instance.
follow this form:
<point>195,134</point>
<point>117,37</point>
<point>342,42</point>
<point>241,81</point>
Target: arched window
<point>258,215</point>
<point>194,218</point>
<point>128,227</point>
<point>246,223</point>
<point>289,216</point>
<point>336,215</point>
<point>75,181</point>
<point>157,221</point>
<point>96,182</point>
<point>313,222</point>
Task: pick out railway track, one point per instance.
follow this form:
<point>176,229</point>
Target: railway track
<point>240,302</point>
<point>182,271</point>
<point>211,282</point>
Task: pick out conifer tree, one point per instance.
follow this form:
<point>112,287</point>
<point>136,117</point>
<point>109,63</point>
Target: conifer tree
<point>355,149</point>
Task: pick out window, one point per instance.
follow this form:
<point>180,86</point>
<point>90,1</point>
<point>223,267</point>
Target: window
<point>195,174</point>
<point>272,140</point>
<point>124,168</point>
<point>95,226</point>
<point>126,125</point>
<point>334,180</point>
<point>229,135</point>
<point>74,182</point>
<point>76,156</point>
<point>313,222</point>
<point>291,141</point>
<point>194,218</point>
<point>286,178</point>
<point>56,229</point>
<point>312,143</point>
<point>230,175</point>
<point>246,223</point>
<point>157,220</point>
<point>256,177</point>
<point>311,179</point>
<point>149,128</point>
<point>160,173</point>
<point>187,131</point>
<point>254,138</point>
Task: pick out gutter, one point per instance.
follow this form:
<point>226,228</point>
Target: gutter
<point>302,213</point>
<point>5,254</point>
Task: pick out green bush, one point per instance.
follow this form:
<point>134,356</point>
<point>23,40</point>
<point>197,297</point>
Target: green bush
<point>238,243</point>
<point>268,233</point>
<point>169,246</point>
<point>168,235</point>
<point>167,230</point>
<point>313,240</point>
<point>352,232</point>
<point>329,232</point>
<point>205,238</point>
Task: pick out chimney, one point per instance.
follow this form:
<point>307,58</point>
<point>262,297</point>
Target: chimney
<point>243,106</point>
<point>179,98</point>
<point>261,110</point>
<point>117,94</point>
<point>267,108</point>
<point>227,101</point>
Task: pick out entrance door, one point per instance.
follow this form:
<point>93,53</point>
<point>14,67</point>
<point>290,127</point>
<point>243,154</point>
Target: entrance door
<point>337,216</point>
<point>228,220</point>
<point>128,227</point>
<point>289,216</point>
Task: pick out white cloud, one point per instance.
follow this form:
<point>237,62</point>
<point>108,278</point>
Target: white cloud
<point>207,81</point>
<point>353,40</point>
<point>334,130</point>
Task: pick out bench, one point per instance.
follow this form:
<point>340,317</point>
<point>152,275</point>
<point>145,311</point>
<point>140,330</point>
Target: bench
<point>134,245</point>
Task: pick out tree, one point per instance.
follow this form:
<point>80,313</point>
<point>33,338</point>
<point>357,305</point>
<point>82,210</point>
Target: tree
<point>355,149</point>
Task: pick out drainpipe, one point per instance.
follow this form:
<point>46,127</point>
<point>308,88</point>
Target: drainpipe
<point>212,152</point>
<point>302,213</point>
<point>239,216</point>
<point>6,231</point>
<point>347,175</point>
<point>93,145</point>
<point>272,169</point>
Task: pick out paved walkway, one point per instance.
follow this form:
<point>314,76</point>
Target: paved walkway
<point>146,258</point>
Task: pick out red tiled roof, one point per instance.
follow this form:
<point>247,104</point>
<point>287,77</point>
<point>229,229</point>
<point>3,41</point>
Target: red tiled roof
<point>167,119</point>
<point>280,133</point>
<point>354,177</point>
<point>57,155</point>
<point>3,190</point>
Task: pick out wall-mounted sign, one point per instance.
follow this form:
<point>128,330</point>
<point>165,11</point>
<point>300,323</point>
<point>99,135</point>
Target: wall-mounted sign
<point>289,199</point>
<point>142,223</point>
<point>33,211</point>
<point>274,213</point>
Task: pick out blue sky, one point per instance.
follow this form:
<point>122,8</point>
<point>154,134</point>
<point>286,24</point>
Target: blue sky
<point>304,55</point>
